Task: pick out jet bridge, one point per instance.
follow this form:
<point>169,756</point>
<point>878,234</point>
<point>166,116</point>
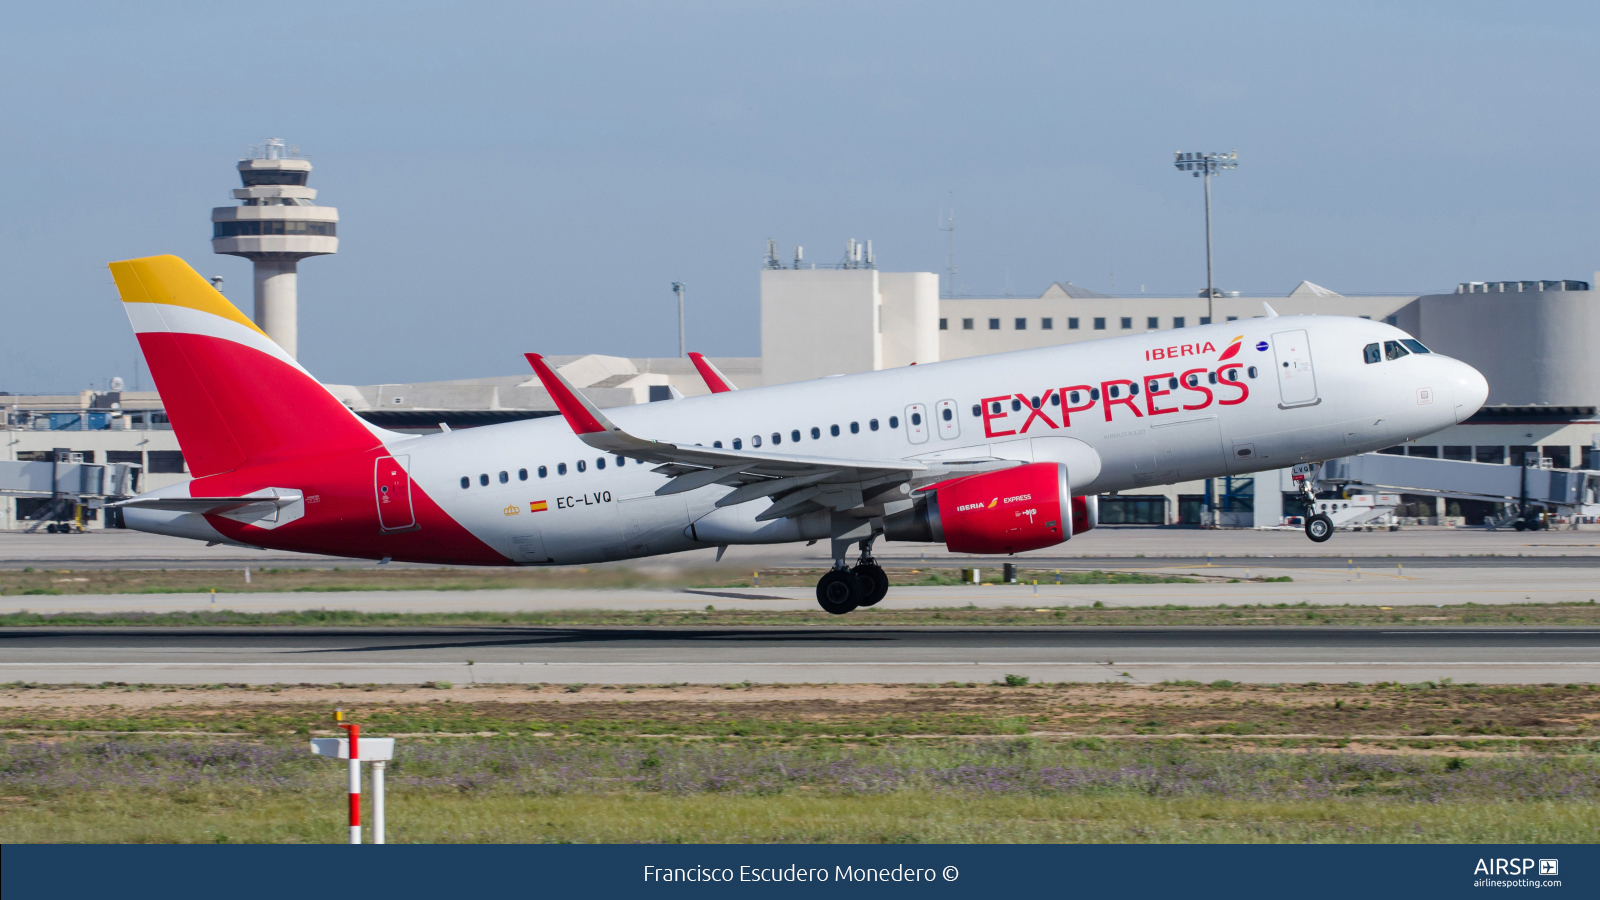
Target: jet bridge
<point>70,484</point>
<point>1526,487</point>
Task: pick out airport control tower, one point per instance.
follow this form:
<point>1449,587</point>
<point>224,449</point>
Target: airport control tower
<point>276,224</point>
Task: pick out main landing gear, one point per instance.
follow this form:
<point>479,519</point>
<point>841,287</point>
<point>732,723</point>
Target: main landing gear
<point>844,588</point>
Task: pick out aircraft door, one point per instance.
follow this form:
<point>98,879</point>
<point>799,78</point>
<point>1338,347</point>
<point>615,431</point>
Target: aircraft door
<point>949,420</point>
<point>392,487</point>
<point>917,423</point>
<point>1297,383</point>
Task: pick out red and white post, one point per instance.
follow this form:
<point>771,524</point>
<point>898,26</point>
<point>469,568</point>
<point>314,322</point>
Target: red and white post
<point>355,780</point>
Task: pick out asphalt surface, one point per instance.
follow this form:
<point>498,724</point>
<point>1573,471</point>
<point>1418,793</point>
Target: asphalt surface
<point>1101,548</point>
<point>655,655</point>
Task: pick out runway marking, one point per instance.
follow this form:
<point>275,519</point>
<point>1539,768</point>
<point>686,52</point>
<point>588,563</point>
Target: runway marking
<point>776,665</point>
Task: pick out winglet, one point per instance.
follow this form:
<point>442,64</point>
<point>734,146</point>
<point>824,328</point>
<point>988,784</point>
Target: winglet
<point>713,378</point>
<point>1271,313</point>
<point>583,416</point>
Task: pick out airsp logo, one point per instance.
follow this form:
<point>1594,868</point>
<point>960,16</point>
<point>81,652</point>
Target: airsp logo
<point>1515,867</point>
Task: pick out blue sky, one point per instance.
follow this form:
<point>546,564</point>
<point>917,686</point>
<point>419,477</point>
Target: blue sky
<point>516,177</point>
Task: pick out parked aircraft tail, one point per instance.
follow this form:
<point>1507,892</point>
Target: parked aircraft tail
<point>234,397</point>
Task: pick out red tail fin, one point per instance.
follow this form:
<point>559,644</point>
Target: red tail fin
<point>233,396</point>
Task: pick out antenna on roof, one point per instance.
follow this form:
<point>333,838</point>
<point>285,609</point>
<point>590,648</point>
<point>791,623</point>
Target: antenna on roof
<point>947,223</point>
<point>772,255</point>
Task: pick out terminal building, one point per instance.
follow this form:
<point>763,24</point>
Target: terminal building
<point>1533,340</point>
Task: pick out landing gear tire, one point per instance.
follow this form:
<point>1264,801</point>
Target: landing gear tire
<point>839,592</point>
<point>874,583</point>
<point>1319,528</point>
<point>1520,525</point>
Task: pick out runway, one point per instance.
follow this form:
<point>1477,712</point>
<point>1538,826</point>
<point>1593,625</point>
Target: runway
<point>861,654</point>
<point>1109,547</point>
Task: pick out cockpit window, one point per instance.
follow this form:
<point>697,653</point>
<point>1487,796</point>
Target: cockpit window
<point>1414,345</point>
<point>1372,353</point>
<point>1393,350</point>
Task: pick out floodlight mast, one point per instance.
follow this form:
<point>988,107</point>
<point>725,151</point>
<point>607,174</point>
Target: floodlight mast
<point>1207,164</point>
<point>677,288</point>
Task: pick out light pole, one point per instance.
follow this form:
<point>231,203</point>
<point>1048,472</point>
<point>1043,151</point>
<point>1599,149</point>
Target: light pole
<point>1207,164</point>
<point>677,288</point>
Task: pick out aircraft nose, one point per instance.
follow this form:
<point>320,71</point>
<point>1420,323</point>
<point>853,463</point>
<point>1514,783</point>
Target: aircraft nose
<point>1471,391</point>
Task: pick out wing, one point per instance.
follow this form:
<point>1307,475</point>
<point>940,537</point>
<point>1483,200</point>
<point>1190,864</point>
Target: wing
<point>714,379</point>
<point>797,483</point>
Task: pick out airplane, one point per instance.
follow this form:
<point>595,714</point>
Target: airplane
<point>993,454</point>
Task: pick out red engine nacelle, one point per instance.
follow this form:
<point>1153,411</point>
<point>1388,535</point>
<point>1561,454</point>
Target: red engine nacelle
<point>1008,511</point>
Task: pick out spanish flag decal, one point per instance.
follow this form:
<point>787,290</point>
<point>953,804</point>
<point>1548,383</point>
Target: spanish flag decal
<point>538,506</point>
<point>1232,349</point>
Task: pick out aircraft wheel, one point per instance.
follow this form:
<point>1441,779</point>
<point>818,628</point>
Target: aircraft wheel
<point>1319,528</point>
<point>1520,525</point>
<point>874,582</point>
<point>839,592</point>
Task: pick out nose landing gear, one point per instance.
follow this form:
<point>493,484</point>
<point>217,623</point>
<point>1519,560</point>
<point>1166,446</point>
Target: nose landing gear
<point>845,589</point>
<point>1319,527</point>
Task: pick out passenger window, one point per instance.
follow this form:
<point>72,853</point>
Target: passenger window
<point>1253,371</point>
<point>894,421</point>
<point>873,424</point>
<point>1414,346</point>
<point>1211,377</point>
<point>1033,402</point>
<point>561,468</point>
<point>794,436</point>
<point>1194,381</point>
<point>600,463</point>
<point>522,474</point>
<point>717,444</point>
<point>1371,353</point>
<point>465,482</point>
<point>833,430</point>
<point>948,415</point>
<point>1016,405</point>
<point>1154,385</point>
<point>483,480</point>
<point>855,427</point>
<point>916,419</point>
<point>1094,393</point>
<point>504,477</point>
<point>1055,399</point>
<point>1133,390</point>
<point>1073,397</point>
<point>995,407</point>
<point>623,459</point>
<point>582,466</point>
<point>777,438</point>
<point>755,440</point>
<point>543,471</point>
<point>1115,390</point>
<point>1393,350</point>
<point>977,410</point>
<point>1172,384</point>
<point>737,444</point>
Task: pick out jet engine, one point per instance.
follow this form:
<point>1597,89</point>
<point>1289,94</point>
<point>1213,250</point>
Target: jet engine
<point>1009,511</point>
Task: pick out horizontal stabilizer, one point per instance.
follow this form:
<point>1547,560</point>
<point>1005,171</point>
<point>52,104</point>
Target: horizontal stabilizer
<point>215,506</point>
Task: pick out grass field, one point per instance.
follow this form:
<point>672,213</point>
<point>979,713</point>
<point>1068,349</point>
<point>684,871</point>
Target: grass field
<point>51,582</point>
<point>812,763</point>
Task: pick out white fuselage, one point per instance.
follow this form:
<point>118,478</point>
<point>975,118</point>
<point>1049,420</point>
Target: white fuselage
<point>1308,395</point>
